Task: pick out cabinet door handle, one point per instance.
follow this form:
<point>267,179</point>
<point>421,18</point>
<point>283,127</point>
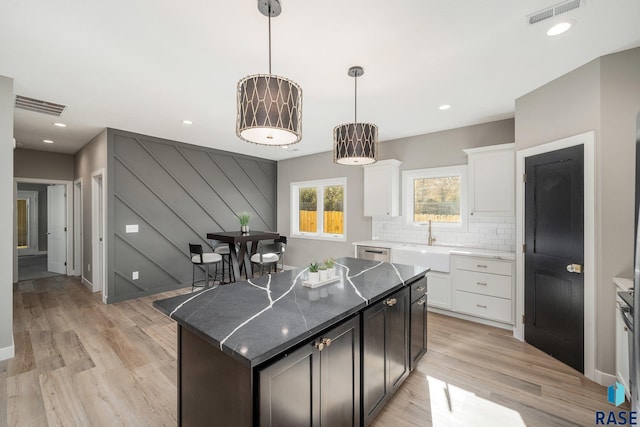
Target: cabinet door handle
<point>420,288</point>
<point>326,341</point>
<point>481,265</point>
<point>319,345</point>
<point>481,306</point>
<point>422,301</point>
<point>481,283</point>
<point>391,302</point>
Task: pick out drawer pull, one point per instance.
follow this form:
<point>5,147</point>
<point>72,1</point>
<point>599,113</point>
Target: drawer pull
<point>481,306</point>
<point>420,289</point>
<point>423,301</point>
<point>481,283</point>
<point>481,265</point>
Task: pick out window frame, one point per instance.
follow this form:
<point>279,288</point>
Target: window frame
<point>319,184</point>
<point>408,178</point>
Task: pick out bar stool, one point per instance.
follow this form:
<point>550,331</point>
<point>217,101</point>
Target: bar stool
<point>199,257</point>
<point>222,249</point>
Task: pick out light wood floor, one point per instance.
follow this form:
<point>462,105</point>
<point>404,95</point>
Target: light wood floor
<point>82,363</point>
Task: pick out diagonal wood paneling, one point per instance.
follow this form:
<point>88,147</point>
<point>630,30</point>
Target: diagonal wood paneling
<point>176,193</point>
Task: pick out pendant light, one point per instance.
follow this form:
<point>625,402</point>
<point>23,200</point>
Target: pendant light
<point>269,107</point>
<point>355,143</point>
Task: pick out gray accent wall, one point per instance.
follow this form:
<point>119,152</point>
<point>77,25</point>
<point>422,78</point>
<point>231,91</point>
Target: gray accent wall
<point>175,193</point>
<point>604,96</point>
<point>416,152</point>
<point>7,217</point>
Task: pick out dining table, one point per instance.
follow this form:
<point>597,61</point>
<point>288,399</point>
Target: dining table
<point>239,247</point>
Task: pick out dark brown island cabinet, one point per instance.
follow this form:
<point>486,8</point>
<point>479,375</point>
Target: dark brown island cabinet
<point>272,352</point>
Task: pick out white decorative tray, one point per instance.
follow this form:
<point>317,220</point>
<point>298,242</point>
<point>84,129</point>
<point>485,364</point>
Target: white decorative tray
<point>310,284</point>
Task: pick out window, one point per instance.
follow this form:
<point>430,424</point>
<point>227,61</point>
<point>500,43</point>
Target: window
<point>438,195</point>
<point>318,209</point>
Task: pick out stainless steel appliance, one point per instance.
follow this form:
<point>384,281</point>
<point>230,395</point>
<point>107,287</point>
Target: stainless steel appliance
<point>635,353</point>
<point>624,303</point>
<point>374,253</point>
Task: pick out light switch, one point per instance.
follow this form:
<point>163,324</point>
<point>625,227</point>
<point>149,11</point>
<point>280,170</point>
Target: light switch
<point>132,228</point>
<point>134,275</point>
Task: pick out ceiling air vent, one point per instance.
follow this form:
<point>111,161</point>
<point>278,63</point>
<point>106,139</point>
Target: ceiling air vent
<point>552,11</point>
<point>39,106</point>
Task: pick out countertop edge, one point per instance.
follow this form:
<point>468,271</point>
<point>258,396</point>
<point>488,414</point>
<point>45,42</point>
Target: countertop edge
<point>623,283</point>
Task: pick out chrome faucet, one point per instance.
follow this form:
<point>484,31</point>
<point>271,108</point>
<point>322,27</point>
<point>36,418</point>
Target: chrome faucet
<point>431,239</point>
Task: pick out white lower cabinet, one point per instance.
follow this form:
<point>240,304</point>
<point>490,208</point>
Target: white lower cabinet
<point>483,287</point>
<point>439,290</point>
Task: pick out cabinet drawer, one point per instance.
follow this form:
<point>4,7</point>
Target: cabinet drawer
<point>483,283</point>
<point>484,306</point>
<point>483,265</point>
<point>418,289</point>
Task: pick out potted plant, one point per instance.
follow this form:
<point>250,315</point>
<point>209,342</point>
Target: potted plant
<point>331,268</point>
<point>313,272</point>
<point>244,218</point>
<point>322,272</point>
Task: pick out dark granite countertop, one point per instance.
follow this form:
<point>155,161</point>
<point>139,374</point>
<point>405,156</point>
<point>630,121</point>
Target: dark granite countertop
<point>256,320</point>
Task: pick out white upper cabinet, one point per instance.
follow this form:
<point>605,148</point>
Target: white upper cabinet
<point>491,180</point>
<point>382,188</point>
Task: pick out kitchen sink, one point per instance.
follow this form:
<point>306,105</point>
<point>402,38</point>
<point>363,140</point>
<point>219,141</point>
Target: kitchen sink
<point>438,258</point>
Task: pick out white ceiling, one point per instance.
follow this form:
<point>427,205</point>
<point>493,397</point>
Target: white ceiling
<point>145,65</point>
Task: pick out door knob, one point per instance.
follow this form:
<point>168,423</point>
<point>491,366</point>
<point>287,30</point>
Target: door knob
<point>574,268</point>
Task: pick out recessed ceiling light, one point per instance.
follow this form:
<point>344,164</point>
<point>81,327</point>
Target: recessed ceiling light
<point>47,141</point>
<point>284,146</point>
<point>559,28</point>
<point>187,122</point>
<point>60,125</point>
<point>444,107</point>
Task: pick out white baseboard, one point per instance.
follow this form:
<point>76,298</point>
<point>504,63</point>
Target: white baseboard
<point>604,379</point>
<point>8,352</point>
<point>471,318</point>
<point>87,283</point>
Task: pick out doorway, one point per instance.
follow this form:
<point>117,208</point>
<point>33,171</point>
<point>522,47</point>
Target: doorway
<point>27,212</point>
<point>42,244</point>
<point>554,254</point>
<point>587,140</point>
<point>97,233</point>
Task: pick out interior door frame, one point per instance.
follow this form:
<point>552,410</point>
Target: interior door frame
<point>69,219</point>
<point>78,244</point>
<point>102,286</point>
<point>586,139</point>
<point>32,220</point>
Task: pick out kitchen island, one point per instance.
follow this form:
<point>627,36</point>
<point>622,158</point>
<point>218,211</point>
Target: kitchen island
<point>246,349</point>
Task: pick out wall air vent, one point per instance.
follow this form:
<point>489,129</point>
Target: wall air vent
<point>39,106</point>
<point>555,10</point>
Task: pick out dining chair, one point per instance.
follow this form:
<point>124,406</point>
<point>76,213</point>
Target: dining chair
<point>200,258</point>
<point>268,254</point>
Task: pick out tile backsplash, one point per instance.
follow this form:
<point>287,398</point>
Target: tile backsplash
<point>492,233</point>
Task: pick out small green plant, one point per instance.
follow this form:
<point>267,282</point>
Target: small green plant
<point>313,267</point>
<point>329,262</point>
<point>322,267</point>
<point>244,218</point>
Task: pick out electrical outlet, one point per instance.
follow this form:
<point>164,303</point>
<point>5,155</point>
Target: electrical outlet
<point>134,275</point>
<point>89,267</point>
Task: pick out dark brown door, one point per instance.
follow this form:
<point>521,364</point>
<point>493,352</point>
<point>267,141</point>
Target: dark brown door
<point>554,237</point>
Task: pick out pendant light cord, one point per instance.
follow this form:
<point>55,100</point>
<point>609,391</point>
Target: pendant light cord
<point>355,103</point>
<point>269,39</point>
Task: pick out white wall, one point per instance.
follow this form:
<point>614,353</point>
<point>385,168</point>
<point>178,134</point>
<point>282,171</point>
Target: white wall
<point>603,96</point>
<point>416,152</point>
<point>91,157</point>
<point>6,218</point>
